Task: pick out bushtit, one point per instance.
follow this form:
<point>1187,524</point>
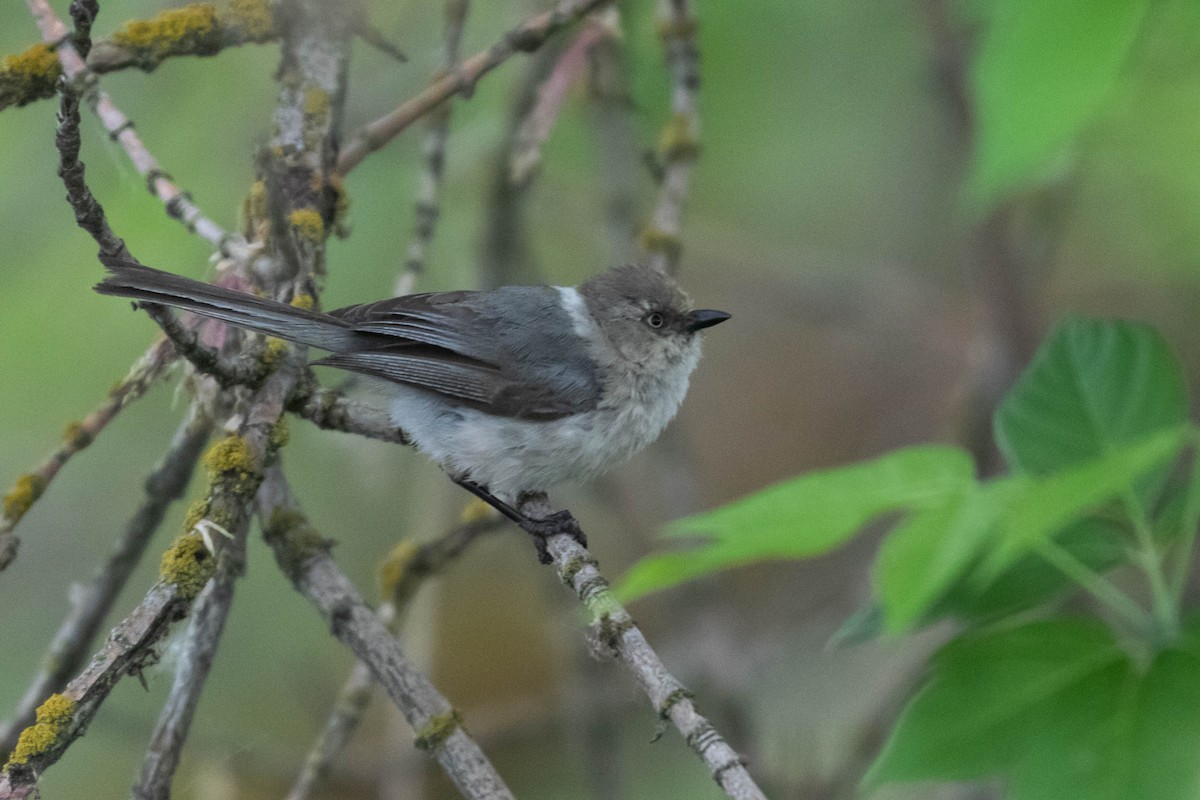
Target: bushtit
<point>510,390</point>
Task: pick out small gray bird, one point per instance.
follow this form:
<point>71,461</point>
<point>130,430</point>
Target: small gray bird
<point>510,390</point>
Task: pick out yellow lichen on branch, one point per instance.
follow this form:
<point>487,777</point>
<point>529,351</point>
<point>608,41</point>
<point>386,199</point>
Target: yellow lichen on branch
<point>188,565</point>
<point>28,76</point>
<point>23,495</point>
<point>308,224</point>
<point>53,718</point>
<point>231,461</point>
<point>678,140</point>
<point>304,300</point>
<point>189,30</point>
<point>395,567</point>
<point>197,29</point>
<point>293,539</point>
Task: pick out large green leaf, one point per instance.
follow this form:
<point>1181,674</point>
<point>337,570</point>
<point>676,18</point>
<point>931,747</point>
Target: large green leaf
<point>805,516</point>
<point>986,529</point>
<point>1093,385</point>
<point>1045,69</point>
<point>932,549</point>
<point>1047,505</point>
<point>970,718</point>
<point>1097,542</point>
<point>1057,709</point>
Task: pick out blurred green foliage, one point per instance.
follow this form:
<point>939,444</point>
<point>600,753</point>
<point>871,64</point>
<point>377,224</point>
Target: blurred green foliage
<point>1060,706</point>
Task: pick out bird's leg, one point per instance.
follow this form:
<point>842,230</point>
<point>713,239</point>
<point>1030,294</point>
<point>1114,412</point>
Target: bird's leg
<point>540,529</point>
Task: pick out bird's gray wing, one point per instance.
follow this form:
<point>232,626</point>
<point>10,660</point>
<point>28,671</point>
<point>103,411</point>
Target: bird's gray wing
<point>510,352</point>
<point>448,320</point>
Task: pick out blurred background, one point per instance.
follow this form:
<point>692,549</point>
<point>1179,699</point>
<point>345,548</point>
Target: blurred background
<point>884,290</point>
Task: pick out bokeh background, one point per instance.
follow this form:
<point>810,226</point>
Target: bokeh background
<point>876,302</point>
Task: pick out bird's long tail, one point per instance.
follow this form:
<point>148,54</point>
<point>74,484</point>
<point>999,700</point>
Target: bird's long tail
<point>301,325</point>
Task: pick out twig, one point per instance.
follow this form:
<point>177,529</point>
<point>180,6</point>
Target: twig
<point>90,606</point>
<point>401,574</point>
<point>679,144</point>
<point>615,630</point>
<point>343,720</point>
<point>535,129</point>
<point>525,38</point>
<point>191,672</point>
<point>333,411</point>
<point>129,649</point>
<point>89,215</point>
<point>194,30</point>
<point>29,487</point>
<point>304,557</point>
<point>177,202</point>
<point>426,208</point>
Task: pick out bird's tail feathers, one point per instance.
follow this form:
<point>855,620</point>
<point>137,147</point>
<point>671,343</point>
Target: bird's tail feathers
<point>129,279</point>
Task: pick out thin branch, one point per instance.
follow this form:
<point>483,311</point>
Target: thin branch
<point>131,647</point>
<point>177,202</point>
<point>199,29</point>
<point>525,38</point>
<point>616,631</point>
<point>205,627</point>
<point>404,571</point>
<point>304,557</point>
<point>32,485</point>
<point>333,411</point>
<point>526,154</point>
<point>426,208</point>
<point>343,720</point>
<point>90,606</point>
<point>89,215</point>
<point>679,144</point>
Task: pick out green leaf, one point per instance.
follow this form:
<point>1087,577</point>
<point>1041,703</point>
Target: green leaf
<point>1058,710</point>
<point>1045,68</point>
<point>1098,543</point>
<point>1093,385</point>
<point>1048,505</point>
<point>970,719</point>
<point>804,516</point>
<point>932,549</point>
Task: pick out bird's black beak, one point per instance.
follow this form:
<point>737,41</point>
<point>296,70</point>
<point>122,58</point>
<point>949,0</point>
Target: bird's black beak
<point>705,318</point>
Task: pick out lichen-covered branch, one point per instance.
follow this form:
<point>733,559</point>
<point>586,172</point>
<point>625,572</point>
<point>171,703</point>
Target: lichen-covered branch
<point>91,605</point>
<point>197,29</point>
<point>426,207</point>
<point>616,631</point>
<point>679,142</point>
<point>77,436</point>
<point>400,575</point>
<point>178,203</point>
<point>525,38</point>
<point>28,76</point>
<point>192,666</point>
<point>131,646</point>
<point>304,557</point>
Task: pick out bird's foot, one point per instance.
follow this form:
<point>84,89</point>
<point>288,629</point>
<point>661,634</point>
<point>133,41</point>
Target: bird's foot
<point>540,528</point>
<point>560,522</point>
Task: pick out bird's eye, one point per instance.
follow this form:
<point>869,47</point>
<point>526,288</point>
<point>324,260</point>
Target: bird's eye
<point>655,319</point>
